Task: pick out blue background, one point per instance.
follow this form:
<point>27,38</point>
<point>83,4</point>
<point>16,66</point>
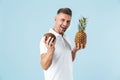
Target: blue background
<point>23,22</point>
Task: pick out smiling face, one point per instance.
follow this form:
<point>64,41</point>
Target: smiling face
<point>62,22</point>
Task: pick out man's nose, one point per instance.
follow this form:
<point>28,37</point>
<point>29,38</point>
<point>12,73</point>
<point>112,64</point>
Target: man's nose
<point>65,23</point>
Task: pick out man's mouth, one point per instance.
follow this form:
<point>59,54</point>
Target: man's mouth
<point>62,28</point>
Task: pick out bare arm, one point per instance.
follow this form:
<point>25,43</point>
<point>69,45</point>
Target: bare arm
<point>75,49</point>
<point>73,54</point>
<point>46,58</point>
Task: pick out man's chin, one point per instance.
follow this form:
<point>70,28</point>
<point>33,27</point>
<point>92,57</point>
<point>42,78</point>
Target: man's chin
<point>62,32</point>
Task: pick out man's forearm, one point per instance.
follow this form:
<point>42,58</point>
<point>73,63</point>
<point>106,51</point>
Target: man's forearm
<point>73,55</point>
<point>46,60</point>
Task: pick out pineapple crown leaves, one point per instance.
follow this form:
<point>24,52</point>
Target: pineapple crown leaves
<point>82,24</point>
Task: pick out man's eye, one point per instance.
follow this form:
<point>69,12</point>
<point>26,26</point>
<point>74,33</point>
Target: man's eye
<point>62,20</point>
<point>68,21</point>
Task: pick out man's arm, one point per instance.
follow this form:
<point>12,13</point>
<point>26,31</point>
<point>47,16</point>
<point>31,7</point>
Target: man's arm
<point>75,49</point>
<point>73,54</point>
<point>46,58</point>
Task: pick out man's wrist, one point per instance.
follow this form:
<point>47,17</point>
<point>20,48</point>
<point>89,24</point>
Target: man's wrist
<point>74,51</point>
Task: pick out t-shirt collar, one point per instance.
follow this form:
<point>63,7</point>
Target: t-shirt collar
<point>55,33</point>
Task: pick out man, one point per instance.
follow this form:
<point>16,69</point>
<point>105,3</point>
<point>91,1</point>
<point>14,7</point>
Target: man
<point>57,55</point>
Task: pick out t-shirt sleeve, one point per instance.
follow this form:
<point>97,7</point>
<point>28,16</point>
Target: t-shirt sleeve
<point>43,48</point>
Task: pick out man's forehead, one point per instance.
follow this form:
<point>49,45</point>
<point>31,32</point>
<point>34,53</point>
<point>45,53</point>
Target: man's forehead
<point>62,15</point>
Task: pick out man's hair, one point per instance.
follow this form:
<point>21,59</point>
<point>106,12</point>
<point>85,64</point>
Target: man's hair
<point>65,11</point>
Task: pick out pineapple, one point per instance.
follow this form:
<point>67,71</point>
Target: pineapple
<point>81,36</point>
<point>47,35</point>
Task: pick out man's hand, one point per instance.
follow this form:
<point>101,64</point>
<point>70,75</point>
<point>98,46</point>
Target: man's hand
<point>79,46</point>
<point>50,44</point>
<point>75,49</point>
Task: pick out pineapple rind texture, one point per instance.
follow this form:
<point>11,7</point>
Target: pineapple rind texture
<point>81,38</point>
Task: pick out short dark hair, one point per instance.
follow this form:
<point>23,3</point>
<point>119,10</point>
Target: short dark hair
<point>65,11</point>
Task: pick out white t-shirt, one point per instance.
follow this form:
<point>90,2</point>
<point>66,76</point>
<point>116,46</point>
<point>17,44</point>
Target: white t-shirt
<point>61,67</point>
